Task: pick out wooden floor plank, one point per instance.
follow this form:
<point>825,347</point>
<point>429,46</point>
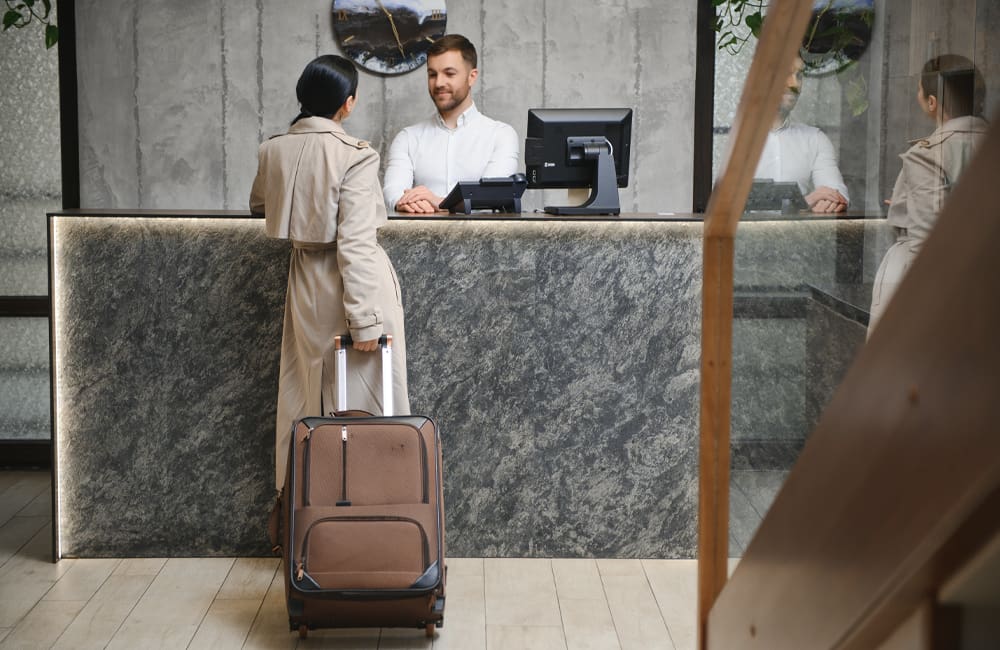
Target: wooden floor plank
<point>249,578</point>
<point>403,639</point>
<point>521,592</point>
<point>83,579</point>
<point>40,506</point>
<point>101,618</point>
<point>635,612</point>
<point>675,586</point>
<point>524,637</point>
<point>226,625</point>
<point>169,613</point>
<point>270,628</point>
<point>27,576</point>
<point>464,613</point>
<point>21,492</point>
<point>525,604</point>
<point>43,625</point>
<point>577,578</point>
<point>16,532</point>
<point>588,625</point>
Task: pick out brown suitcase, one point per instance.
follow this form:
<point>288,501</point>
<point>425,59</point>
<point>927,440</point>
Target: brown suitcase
<point>362,518</point>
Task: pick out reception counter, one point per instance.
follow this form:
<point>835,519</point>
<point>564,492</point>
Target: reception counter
<point>560,358</point>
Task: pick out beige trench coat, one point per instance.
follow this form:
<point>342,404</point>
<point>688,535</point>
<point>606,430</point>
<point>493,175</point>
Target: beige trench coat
<point>318,187</point>
<point>931,166</point>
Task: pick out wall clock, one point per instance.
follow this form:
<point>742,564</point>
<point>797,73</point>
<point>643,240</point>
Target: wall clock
<point>388,36</point>
<point>838,34</point>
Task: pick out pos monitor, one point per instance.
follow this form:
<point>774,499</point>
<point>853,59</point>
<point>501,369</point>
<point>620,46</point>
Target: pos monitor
<point>579,147</point>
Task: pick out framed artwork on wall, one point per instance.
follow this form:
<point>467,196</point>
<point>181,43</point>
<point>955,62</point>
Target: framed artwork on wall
<point>388,36</point>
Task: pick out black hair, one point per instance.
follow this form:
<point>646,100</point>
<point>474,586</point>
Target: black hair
<point>325,85</point>
<point>956,83</point>
<point>457,43</point>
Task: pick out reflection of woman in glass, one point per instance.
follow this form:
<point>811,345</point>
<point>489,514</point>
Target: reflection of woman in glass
<point>318,187</point>
<point>950,92</point>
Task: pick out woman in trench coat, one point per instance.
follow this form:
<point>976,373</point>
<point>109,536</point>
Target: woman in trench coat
<point>318,187</point>
<point>950,91</point>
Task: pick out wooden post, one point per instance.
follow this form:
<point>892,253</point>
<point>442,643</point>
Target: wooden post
<point>783,30</point>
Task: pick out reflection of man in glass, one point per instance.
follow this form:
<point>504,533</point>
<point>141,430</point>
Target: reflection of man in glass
<point>950,91</point>
<point>803,154</point>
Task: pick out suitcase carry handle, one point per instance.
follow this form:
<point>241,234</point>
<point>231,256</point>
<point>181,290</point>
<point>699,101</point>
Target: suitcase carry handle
<point>340,345</point>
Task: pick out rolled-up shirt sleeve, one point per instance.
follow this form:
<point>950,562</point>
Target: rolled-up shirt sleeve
<point>825,171</point>
<point>357,244</point>
<point>398,170</point>
<point>504,159</point>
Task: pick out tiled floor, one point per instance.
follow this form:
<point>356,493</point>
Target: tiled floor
<point>751,493</point>
<point>495,604</point>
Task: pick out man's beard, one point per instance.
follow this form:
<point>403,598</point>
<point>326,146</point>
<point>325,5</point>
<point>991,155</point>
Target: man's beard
<point>788,102</point>
<point>447,104</point>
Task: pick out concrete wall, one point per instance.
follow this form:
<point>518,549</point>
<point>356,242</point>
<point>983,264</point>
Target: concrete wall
<point>175,96</point>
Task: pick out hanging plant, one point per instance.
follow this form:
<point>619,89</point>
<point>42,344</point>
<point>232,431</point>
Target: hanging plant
<point>21,13</point>
<point>838,34</point>
<point>736,22</point>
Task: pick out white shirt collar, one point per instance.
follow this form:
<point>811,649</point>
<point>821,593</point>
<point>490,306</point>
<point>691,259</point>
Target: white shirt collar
<point>467,116</point>
<point>784,124</point>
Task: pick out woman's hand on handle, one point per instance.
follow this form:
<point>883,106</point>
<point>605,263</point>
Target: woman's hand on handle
<point>366,346</point>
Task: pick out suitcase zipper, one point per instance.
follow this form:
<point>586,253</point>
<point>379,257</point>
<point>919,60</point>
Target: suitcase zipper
<point>343,472</point>
<point>343,490</point>
<point>307,440</point>
<point>424,545</point>
<point>423,463</point>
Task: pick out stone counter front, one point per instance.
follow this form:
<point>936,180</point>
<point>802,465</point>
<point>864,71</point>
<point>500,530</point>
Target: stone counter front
<point>559,358</point>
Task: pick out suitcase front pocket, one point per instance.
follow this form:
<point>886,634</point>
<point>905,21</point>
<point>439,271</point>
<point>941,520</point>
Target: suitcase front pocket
<point>360,463</point>
<point>357,553</point>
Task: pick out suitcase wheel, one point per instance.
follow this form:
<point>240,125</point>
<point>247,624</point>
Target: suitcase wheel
<point>303,631</point>
<point>429,630</point>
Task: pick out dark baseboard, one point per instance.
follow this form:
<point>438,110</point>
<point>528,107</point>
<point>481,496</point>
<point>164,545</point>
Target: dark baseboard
<point>25,454</point>
<point>764,454</point>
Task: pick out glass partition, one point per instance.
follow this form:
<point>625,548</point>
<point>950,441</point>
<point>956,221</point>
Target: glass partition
<point>30,186</point>
<point>903,114</point>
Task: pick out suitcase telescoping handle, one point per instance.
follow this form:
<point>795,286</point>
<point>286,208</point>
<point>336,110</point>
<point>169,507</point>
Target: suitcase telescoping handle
<point>340,345</point>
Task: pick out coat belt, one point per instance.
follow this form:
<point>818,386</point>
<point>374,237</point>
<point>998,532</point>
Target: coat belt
<point>314,246</point>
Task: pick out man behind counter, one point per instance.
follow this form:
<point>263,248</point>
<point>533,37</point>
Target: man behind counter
<point>804,154</point>
<point>457,144</point>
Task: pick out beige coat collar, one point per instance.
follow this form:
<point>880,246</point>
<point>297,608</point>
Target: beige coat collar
<point>316,125</point>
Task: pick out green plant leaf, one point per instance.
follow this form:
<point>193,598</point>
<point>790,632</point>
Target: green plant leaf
<point>29,3</point>
<point>754,22</point>
<point>10,18</point>
<point>51,36</point>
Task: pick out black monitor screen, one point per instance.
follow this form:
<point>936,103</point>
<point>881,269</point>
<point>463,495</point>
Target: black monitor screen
<point>547,158</point>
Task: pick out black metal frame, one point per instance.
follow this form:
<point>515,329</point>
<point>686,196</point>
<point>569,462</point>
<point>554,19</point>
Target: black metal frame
<point>69,127</point>
<point>38,454</point>
<point>704,102</point>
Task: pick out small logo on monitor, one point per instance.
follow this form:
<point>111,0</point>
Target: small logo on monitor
<point>548,164</point>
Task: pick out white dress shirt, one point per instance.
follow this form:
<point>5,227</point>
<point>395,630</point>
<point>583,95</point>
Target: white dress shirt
<point>803,154</point>
<point>432,155</point>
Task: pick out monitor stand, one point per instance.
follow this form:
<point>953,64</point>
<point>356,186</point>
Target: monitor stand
<point>604,186</point>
